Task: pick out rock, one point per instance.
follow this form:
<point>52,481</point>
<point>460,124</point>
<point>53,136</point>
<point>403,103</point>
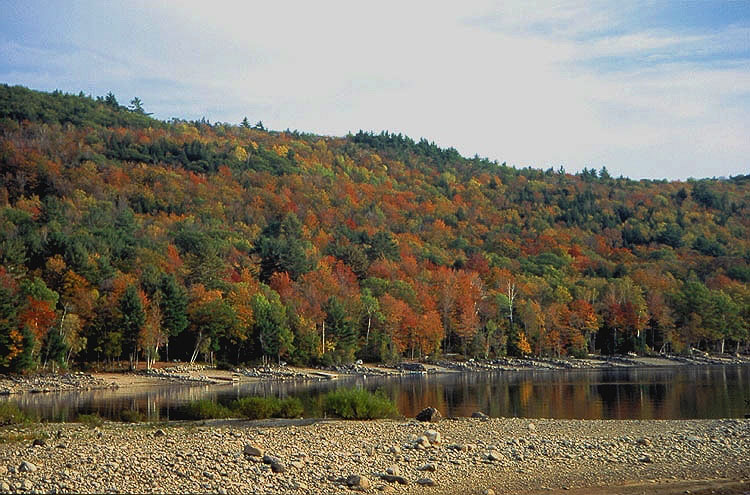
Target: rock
<point>297,464</point>
<point>493,456</point>
<point>4,487</point>
<point>644,441</point>
<point>429,414</point>
<point>393,470</point>
<point>62,445</point>
<point>433,436</point>
<point>423,441</point>
<point>269,459</point>
<point>159,433</point>
<point>428,467</point>
<point>27,485</point>
<point>479,415</point>
<point>692,438</point>
<point>278,467</point>
<point>386,489</point>
<point>358,482</point>
<point>38,442</point>
<point>26,467</point>
<point>426,482</point>
<point>391,478</point>
<point>488,491</point>
<point>251,450</point>
<point>395,449</point>
<point>646,459</point>
<point>532,427</point>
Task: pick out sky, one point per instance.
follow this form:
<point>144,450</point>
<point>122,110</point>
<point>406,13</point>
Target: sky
<point>647,89</point>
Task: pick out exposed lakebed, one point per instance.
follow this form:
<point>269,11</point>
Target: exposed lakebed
<point>685,392</point>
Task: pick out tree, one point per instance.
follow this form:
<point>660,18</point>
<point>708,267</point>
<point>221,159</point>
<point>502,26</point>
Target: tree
<point>136,106</point>
<point>173,308</point>
<point>341,327</point>
<point>271,325</point>
<point>111,101</point>
<point>152,335</point>
<point>131,321</point>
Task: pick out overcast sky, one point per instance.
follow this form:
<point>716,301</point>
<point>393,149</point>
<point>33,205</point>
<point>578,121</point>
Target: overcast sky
<point>647,89</point>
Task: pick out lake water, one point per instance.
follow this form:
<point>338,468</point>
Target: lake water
<point>645,393</point>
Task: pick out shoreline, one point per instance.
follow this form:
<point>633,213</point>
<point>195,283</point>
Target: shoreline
<point>471,456</point>
<point>199,374</point>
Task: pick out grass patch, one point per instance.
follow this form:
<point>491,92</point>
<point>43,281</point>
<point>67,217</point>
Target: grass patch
<point>203,409</point>
<point>10,414</point>
<point>357,403</point>
<point>268,407</point>
<point>90,420</point>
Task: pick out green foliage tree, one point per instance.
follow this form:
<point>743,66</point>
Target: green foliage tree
<point>271,325</point>
<point>131,321</point>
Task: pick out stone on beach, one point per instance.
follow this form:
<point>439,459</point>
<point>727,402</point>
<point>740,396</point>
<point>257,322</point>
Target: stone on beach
<point>430,415</point>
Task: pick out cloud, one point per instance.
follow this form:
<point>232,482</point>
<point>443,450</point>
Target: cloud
<point>571,83</point>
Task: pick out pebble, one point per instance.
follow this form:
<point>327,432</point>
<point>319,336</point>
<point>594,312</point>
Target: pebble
<point>426,482</point>
<point>26,467</point>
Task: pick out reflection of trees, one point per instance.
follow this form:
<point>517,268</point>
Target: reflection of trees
<point>678,392</point>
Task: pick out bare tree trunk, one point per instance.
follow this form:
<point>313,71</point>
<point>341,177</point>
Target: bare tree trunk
<point>324,337</point>
<point>198,342</point>
<point>722,345</point>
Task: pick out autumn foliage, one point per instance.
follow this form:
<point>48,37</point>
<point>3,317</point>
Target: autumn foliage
<point>124,237</point>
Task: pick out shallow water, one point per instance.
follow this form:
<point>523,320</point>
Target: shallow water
<point>683,392</point>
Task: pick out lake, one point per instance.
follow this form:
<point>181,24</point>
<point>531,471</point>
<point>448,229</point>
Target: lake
<point>680,392</point>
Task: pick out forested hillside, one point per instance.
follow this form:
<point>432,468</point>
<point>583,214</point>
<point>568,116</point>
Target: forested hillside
<point>122,236</point>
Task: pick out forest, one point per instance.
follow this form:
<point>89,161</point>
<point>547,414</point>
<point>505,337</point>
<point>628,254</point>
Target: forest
<point>126,238</point>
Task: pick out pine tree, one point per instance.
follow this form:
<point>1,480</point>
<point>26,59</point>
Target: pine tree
<point>173,307</point>
<point>132,319</point>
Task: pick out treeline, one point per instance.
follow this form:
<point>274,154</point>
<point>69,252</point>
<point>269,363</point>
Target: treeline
<point>123,237</point>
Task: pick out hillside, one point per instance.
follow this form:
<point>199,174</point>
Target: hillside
<point>124,236</point>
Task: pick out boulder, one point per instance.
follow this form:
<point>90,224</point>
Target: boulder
<point>38,442</point>
<point>278,467</point>
<point>426,482</point>
<point>429,414</point>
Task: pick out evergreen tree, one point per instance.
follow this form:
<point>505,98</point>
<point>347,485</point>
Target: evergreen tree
<point>174,302</point>
<point>272,325</point>
<point>132,318</point>
<point>342,328</point>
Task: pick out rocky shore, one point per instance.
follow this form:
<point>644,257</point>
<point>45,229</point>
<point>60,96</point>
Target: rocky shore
<point>17,384</point>
<point>471,456</point>
<point>200,374</point>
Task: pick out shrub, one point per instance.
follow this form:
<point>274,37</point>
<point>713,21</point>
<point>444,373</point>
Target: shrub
<point>131,416</point>
<point>357,403</point>
<point>203,409</point>
<point>257,407</point>
<point>10,414</point>
<point>268,407</point>
<point>90,420</point>
<point>290,407</point>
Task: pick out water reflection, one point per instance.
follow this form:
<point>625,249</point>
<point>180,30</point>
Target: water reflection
<point>672,393</point>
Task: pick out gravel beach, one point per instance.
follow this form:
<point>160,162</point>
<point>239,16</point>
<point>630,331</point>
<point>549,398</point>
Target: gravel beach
<point>469,456</point>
